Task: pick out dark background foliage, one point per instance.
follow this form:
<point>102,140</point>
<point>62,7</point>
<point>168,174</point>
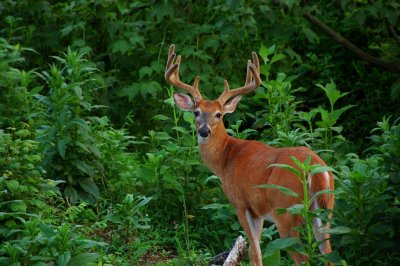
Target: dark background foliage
<point>87,122</point>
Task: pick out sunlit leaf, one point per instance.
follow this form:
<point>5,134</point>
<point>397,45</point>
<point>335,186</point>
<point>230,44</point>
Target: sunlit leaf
<point>284,190</point>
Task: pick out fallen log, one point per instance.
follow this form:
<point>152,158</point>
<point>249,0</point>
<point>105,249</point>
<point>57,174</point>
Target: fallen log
<point>233,257</point>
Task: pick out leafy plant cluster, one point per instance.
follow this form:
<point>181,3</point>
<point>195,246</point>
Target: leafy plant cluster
<point>97,166</point>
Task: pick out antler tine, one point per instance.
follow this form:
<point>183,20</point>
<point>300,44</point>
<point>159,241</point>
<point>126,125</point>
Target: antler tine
<point>253,80</point>
<point>172,75</point>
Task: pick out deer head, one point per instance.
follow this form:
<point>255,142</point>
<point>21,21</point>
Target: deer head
<point>209,114</point>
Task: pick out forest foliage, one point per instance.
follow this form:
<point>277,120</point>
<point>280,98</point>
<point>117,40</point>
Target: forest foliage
<point>97,166</point>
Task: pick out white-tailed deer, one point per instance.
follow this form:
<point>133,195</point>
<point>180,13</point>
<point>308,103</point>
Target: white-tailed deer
<point>242,165</point>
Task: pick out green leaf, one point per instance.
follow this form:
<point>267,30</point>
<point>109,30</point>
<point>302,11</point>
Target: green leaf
<point>213,206</point>
<point>63,259</point>
<point>84,167</point>
<point>71,193</point>
<point>145,71</point>
<point>277,57</point>
<point>135,40</point>
<point>78,91</point>
<point>282,243</point>
<point>311,36</point>
<point>287,167</point>
<point>13,186</point>
<point>130,91</point>
<point>18,206</point>
<point>88,185</point>
<point>332,93</point>
<point>94,149</point>
<point>47,230</point>
<point>150,88</point>
<point>120,46</point>
<point>161,117</point>
<point>338,230</point>
<point>61,147</point>
<point>274,259</point>
<point>317,168</point>
<point>233,5</point>
<point>142,201</point>
<point>264,52</point>
<point>83,259</point>
<point>321,192</point>
<point>296,209</point>
<point>181,129</point>
<point>188,117</point>
<point>284,190</point>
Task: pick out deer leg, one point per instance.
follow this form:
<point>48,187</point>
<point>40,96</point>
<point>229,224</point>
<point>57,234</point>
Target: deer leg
<point>253,227</point>
<point>285,223</point>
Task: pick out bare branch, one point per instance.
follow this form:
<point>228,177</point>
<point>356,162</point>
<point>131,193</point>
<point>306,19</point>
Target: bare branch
<point>395,35</point>
<point>237,253</point>
<point>351,47</point>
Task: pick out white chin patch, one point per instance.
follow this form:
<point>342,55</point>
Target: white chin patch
<point>202,140</point>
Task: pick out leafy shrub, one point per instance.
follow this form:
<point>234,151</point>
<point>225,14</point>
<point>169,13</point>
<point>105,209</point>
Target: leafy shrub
<point>28,209</point>
<point>71,153</point>
<point>367,200</point>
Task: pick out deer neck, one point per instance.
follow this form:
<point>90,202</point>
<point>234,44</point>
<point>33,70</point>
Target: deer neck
<point>213,152</point>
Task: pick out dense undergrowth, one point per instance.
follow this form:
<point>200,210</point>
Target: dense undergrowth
<point>98,167</point>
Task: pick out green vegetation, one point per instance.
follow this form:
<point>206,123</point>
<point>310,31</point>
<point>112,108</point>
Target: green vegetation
<point>97,166</point>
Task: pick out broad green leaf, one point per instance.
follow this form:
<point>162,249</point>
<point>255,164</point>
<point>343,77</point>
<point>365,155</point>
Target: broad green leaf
<point>181,129</point>
<point>284,190</point>
<point>83,259</point>
<point>150,88</point>
<point>287,167</point>
<point>145,71</point>
<point>233,5</point>
<point>264,53</point>
<point>317,168</point>
<point>274,259</point>
<point>18,206</point>
<point>279,244</point>
<point>142,201</point>
<point>130,91</point>
<point>212,177</point>
<point>338,230</point>
<point>213,206</point>
<point>321,192</point>
<point>188,117</point>
<point>161,117</point>
<point>61,147</point>
<point>63,259</point>
<point>88,185</point>
<point>95,150</point>
<point>13,185</point>
<point>120,46</point>
<point>277,57</point>
<point>311,36</point>
<point>87,243</point>
<point>307,161</point>
<point>47,229</point>
<point>84,167</point>
<point>296,209</point>
<point>71,193</point>
<point>78,91</point>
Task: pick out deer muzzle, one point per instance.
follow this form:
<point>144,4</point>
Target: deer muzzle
<point>203,133</point>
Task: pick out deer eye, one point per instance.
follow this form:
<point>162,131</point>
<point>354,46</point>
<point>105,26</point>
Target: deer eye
<point>196,113</point>
<point>218,115</point>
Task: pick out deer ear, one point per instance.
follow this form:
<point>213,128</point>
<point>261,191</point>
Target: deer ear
<point>184,102</point>
<point>230,105</point>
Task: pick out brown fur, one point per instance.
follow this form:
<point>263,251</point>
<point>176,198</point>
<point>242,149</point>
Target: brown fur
<point>243,165</point>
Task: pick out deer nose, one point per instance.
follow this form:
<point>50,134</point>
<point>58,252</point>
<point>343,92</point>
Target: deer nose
<point>204,131</point>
